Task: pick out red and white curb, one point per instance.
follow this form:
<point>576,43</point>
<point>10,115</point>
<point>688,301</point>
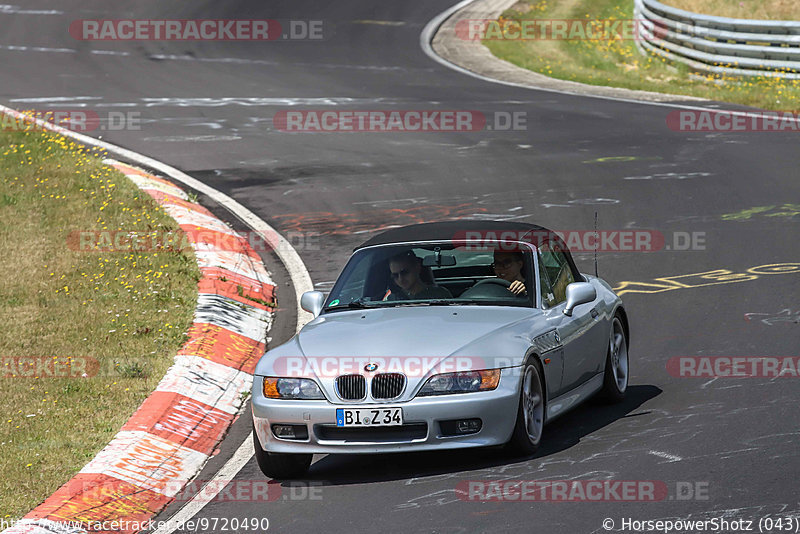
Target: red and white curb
<point>175,431</point>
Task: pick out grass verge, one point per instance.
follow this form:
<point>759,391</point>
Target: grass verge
<point>741,9</point>
<point>618,63</point>
<point>124,313</point>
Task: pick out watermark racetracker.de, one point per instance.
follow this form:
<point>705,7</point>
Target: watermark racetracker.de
<point>734,366</point>
<point>414,120</point>
<point>411,366</point>
<point>688,120</point>
<point>197,30</point>
<point>602,240</point>
<point>543,29</point>
<point>188,238</point>
<point>76,120</point>
<point>580,490</point>
<point>242,490</point>
<point>77,367</point>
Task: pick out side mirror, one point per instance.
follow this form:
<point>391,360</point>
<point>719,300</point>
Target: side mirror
<point>579,293</point>
<point>311,301</point>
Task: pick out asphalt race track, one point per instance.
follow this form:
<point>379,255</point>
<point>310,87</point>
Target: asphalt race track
<point>207,108</point>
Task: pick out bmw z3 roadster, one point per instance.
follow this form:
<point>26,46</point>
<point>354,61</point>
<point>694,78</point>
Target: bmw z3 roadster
<point>440,336</point>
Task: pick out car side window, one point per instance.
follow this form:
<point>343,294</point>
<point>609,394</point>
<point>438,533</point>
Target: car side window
<point>558,270</point>
<point>545,288</point>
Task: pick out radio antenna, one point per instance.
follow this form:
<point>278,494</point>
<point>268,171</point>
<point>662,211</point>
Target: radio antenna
<point>595,245</point>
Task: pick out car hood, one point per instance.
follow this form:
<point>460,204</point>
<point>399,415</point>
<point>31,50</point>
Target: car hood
<point>406,331</point>
<point>429,333</point>
<point>417,341</point>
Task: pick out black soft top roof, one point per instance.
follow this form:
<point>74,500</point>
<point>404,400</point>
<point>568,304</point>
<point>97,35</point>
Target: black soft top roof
<point>445,231</point>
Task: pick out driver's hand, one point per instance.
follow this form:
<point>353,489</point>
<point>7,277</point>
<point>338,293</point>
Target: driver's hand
<point>517,287</point>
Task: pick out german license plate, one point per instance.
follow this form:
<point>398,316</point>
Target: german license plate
<point>369,416</point>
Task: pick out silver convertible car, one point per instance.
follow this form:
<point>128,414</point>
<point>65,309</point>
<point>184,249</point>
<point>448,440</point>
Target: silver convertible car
<point>440,336</point>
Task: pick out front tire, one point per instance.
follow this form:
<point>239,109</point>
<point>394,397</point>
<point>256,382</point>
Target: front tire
<point>530,414</point>
<point>279,465</point>
<point>615,379</point>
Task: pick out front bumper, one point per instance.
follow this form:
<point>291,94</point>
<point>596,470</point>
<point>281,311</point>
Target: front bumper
<point>422,416</point>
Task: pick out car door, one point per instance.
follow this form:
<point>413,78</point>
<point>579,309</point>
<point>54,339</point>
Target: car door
<point>582,333</point>
<point>546,337</point>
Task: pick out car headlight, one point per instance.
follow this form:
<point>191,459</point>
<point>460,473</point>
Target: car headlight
<point>291,388</point>
<point>461,382</point>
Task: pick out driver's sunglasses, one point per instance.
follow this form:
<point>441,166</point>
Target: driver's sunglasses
<point>504,264</point>
<point>398,274</point>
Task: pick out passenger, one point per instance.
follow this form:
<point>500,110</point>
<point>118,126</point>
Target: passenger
<point>406,271</point>
<point>508,266</point>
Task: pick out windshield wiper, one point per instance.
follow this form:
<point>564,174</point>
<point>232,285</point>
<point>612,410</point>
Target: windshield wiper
<point>363,303</point>
<point>433,302</point>
<point>475,302</point>
<point>359,303</point>
<point>440,302</point>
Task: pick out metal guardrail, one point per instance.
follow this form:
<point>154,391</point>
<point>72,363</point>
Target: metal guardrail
<point>719,45</point>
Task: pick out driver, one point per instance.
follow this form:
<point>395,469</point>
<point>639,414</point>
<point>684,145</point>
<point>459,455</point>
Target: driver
<point>508,266</point>
<point>405,270</point>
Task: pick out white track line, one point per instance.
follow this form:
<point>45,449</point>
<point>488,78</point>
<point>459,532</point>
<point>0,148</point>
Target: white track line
<point>211,489</point>
<point>666,456</point>
<point>426,37</point>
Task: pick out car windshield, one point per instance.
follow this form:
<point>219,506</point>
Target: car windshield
<point>442,274</point>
